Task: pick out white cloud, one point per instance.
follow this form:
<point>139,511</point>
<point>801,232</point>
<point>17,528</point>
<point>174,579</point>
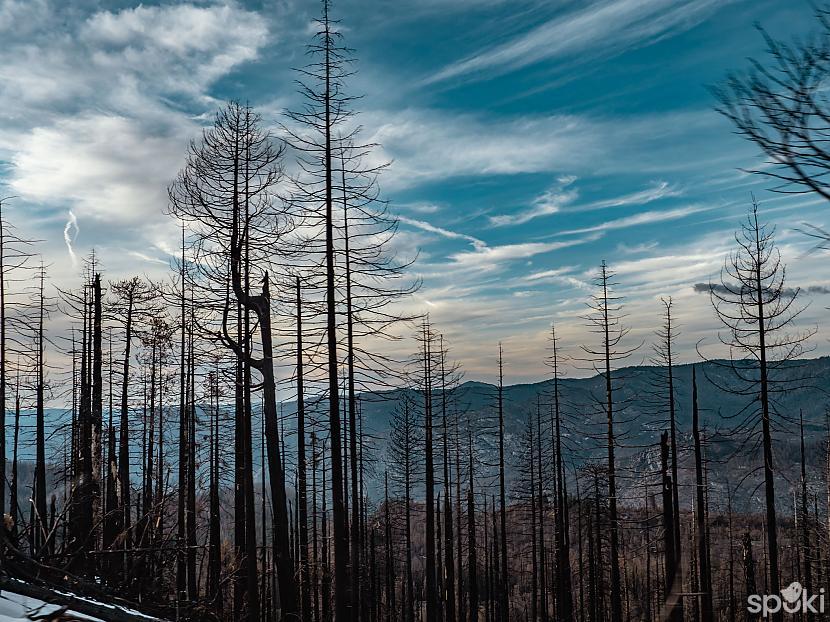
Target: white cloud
<point>90,121</point>
<point>193,45</point>
<point>108,167</point>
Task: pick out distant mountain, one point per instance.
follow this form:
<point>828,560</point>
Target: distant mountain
<point>640,420</point>
<point>638,423</point>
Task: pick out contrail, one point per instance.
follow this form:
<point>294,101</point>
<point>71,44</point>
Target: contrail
<point>71,224</point>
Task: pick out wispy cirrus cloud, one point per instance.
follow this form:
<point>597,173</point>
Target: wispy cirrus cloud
<point>561,196</point>
<point>560,276</point>
<point>549,202</point>
<point>600,28</point>
<point>444,233</point>
<point>489,258</point>
<point>427,146</point>
<point>642,218</point>
<point>654,192</point>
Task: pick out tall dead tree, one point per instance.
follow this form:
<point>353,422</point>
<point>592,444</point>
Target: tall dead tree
<point>225,195</point>
<point>132,306</point>
<point>449,555</point>
<point>40,526</point>
<point>503,582</point>
<point>665,401</point>
<point>758,310</point>
<point>426,388</point>
<point>14,254</point>
<point>183,593</point>
<point>562,574</point>
<point>403,451</point>
<point>604,320</point>
<point>316,138</point>
<point>701,527</point>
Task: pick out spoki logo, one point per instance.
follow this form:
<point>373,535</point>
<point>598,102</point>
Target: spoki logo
<point>793,599</point>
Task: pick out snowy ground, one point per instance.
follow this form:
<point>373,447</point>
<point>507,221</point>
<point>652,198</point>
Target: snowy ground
<point>14,607</point>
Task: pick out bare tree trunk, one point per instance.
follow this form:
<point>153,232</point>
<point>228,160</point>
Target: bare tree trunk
<point>326,581</point>
<point>472,553</point>
<point>429,473</point>
<point>315,559</point>
<point>214,589</point>
<point>97,408</point>
<point>192,578</point>
<point>124,435</point>
<point>449,560</point>
<point>672,578</point>
<point>616,597</point>
<point>14,505</point>
<point>352,416</point>
<point>459,515</point>
<point>504,585</point>
<point>543,600</point>
<point>534,553</point>
<point>3,370</point>
<point>40,526</point>
<point>342,589</point>
<point>805,516</point>
<point>391,604</point>
<point>749,571</point>
<point>181,559</point>
<point>302,503</point>
<point>705,580</point>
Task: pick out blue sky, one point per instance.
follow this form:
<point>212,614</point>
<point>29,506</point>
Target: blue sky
<point>529,140</point>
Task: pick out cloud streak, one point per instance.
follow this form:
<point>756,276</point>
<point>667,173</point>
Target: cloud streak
<point>787,292</point>
<point>70,233</point>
